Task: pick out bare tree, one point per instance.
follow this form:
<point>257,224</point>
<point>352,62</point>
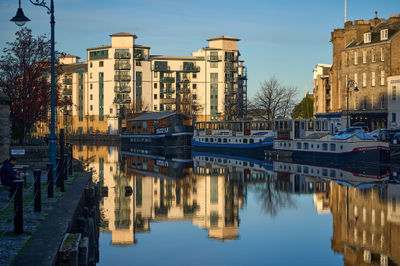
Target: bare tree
<point>273,99</point>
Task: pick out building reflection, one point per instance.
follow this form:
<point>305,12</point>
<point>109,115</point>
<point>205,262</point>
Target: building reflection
<point>364,207</point>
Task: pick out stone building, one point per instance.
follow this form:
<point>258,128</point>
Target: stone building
<point>367,52</point>
<point>322,89</point>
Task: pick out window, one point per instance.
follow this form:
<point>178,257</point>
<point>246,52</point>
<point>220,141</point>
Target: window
<point>111,110</point>
<point>298,145</point>
<point>91,108</point>
<point>244,140</point>
<point>382,54</point>
<point>373,55</point>
<point>155,96</point>
<point>194,96</point>
<point>101,63</point>
<point>333,147</point>
<point>91,64</point>
<point>373,79</point>
<point>91,96</point>
<point>194,75</point>
<point>356,77</point>
<point>383,77</point>
<point>138,63</point>
<point>91,75</point>
<point>393,117</point>
<point>213,64</point>
<point>91,86</point>
<point>305,145</point>
<point>347,59</point>
<point>364,81</point>
<point>194,86</point>
<point>144,125</point>
<point>364,56</point>
<point>155,85</point>
<point>155,74</point>
<point>356,58</point>
<point>324,146</point>
<point>355,102</point>
<point>384,34</point>
<point>394,93</point>
<point>367,37</point>
<point>155,107</point>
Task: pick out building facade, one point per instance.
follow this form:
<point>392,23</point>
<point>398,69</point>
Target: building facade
<point>322,89</point>
<point>393,101</point>
<point>366,52</point>
<point>210,84</point>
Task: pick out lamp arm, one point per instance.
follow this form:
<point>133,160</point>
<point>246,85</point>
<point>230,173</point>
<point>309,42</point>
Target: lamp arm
<point>41,3</point>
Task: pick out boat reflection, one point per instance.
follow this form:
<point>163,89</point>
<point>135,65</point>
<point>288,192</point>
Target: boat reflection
<point>210,192</point>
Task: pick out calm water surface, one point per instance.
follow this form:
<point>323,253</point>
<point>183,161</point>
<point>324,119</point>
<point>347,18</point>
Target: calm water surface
<point>222,210</point>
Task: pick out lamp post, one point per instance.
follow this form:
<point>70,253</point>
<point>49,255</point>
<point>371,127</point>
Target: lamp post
<point>20,20</point>
<point>350,83</point>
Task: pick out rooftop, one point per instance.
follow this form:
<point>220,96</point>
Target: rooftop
<point>123,34</point>
<point>224,37</point>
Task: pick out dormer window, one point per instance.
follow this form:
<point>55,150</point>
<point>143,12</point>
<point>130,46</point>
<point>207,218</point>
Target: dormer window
<point>384,34</point>
<point>367,37</point>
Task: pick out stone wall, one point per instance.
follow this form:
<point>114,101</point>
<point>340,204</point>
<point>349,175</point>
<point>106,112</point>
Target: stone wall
<point>4,126</point>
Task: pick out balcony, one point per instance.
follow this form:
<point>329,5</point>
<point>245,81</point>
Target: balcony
<point>167,91</point>
<point>161,68</point>
<point>123,89</point>
<point>231,68</point>
<point>118,66</point>
<point>67,81</point>
<point>167,79</point>
<point>190,68</point>
<point>167,100</point>
<point>67,92</point>
<point>231,58</point>
<point>214,58</point>
<point>139,56</point>
<point>122,55</point>
<point>120,100</point>
<point>122,77</point>
<point>230,80</point>
<point>183,80</point>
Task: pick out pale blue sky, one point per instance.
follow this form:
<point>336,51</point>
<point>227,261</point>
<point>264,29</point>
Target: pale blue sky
<point>285,38</point>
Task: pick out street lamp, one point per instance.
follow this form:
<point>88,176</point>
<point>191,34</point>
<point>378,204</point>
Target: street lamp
<point>350,83</point>
<point>20,20</point>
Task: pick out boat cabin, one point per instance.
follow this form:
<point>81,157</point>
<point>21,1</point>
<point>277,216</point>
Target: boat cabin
<point>301,128</point>
<point>232,128</point>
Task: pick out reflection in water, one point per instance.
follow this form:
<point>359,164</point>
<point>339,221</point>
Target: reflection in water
<point>210,191</point>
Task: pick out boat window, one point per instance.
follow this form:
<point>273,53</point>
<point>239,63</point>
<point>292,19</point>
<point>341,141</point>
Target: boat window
<point>225,141</point>
<point>318,125</point>
<point>219,140</point>
<point>244,140</point>
<point>325,172</point>
<point>333,173</point>
<point>251,140</point>
<point>133,125</point>
<point>298,169</point>
<point>298,145</point>
<point>341,147</point>
<point>318,146</point>
<point>139,125</point>
<point>284,144</point>
<point>211,140</point>
<point>312,146</point>
<point>280,144</point>
<point>305,169</point>
<point>303,125</point>
<point>206,139</point>
<point>260,140</point>
<point>324,146</point>
<point>144,125</point>
<point>333,147</point>
<point>290,145</point>
<point>311,125</point>
<point>305,145</point>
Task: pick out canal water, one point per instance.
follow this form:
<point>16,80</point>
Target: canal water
<point>208,209</point>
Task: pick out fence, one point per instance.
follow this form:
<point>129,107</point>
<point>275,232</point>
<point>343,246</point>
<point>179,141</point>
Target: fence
<point>19,188</point>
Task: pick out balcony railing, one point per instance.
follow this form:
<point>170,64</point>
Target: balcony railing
<point>214,58</point>
<point>168,100</point>
<point>231,68</point>
<point>167,91</point>
<point>161,68</point>
<point>125,89</point>
<point>67,81</point>
<point>167,79</point>
<point>122,77</point>
<point>230,80</point>
<point>122,66</point>
<point>67,91</point>
<point>122,56</point>
<point>231,58</point>
<point>183,80</point>
<point>139,56</point>
<point>122,100</point>
<point>190,68</point>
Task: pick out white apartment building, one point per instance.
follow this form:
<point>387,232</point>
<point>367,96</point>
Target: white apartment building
<point>210,84</point>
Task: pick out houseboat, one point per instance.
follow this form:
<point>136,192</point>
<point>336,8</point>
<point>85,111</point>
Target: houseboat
<point>244,138</point>
<point>307,141</point>
<point>158,130</point>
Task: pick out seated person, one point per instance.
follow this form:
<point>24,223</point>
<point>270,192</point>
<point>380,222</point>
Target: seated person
<point>8,175</point>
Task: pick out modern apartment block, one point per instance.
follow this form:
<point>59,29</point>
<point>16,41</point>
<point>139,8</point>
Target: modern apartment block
<point>321,89</point>
<point>210,84</point>
<point>366,52</point>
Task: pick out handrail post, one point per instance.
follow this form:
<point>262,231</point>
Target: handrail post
<point>37,193</point>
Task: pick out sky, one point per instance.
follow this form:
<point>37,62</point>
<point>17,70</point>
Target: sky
<point>284,38</point>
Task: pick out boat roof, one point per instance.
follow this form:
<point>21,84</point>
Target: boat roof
<point>361,136</point>
<point>153,116</point>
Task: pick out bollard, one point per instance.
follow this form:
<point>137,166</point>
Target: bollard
<point>37,193</point>
<point>58,171</point>
<point>50,192</point>
<point>18,207</point>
